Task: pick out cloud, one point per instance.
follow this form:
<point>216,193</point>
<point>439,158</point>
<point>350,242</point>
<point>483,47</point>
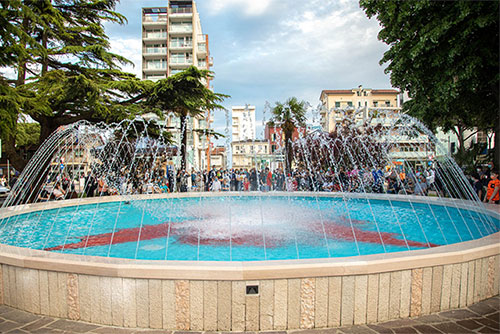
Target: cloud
<point>129,48</point>
<point>269,50</point>
<point>248,7</point>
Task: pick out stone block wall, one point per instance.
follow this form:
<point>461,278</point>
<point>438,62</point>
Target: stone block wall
<point>210,305</point>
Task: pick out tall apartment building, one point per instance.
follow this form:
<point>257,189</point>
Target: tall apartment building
<point>243,123</point>
<point>172,40</point>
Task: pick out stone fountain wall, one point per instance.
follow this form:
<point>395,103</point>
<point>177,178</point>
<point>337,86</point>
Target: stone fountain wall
<point>223,305</point>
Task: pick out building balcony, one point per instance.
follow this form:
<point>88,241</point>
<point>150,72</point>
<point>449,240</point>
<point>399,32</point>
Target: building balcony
<point>151,70</point>
<point>154,38</point>
<point>180,29</point>
<point>180,46</point>
<point>155,77</point>
<point>154,21</point>
<point>150,54</point>
<point>202,49</point>
<point>180,13</point>
<point>180,62</point>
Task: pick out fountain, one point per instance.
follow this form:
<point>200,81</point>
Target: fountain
<point>92,207</point>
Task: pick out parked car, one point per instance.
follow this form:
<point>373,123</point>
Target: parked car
<point>4,190</point>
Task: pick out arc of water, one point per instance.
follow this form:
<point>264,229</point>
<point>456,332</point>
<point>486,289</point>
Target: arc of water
<point>455,200</point>
<point>457,171</point>
<point>262,228</point>
<point>390,133</point>
<point>56,217</point>
<point>354,164</point>
<point>407,130</point>
<point>414,211</point>
<point>140,231</point>
<point>148,181</point>
<point>488,225</point>
<point>317,202</point>
<point>388,199</point>
<point>344,200</point>
<point>100,193</point>
<point>230,235</point>
<point>19,189</point>
<point>30,169</point>
<point>41,214</point>
<point>294,232</point>
<point>413,175</point>
<point>79,202</point>
<point>169,224</point>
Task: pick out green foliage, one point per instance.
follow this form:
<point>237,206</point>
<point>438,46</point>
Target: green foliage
<point>466,158</point>
<point>27,134</point>
<point>289,116</point>
<point>65,72</point>
<point>185,94</point>
<point>445,54</point>
<point>9,106</point>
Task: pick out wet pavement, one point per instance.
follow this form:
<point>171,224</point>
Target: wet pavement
<point>483,317</point>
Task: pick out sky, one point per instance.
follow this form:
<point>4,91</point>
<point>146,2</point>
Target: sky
<point>270,50</point>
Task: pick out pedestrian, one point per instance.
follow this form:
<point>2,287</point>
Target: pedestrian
<point>493,191</point>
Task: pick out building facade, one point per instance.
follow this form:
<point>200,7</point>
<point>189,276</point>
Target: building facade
<point>243,123</point>
<point>365,106</point>
<point>173,40</point>
<point>276,137</point>
<point>218,157</point>
<point>336,103</point>
<point>250,154</point>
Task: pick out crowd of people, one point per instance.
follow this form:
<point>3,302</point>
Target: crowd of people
<point>418,181</point>
<point>396,180</point>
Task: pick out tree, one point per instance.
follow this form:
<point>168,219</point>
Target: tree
<point>27,134</point>
<point>65,72</point>
<point>289,116</point>
<point>185,95</point>
<point>445,54</point>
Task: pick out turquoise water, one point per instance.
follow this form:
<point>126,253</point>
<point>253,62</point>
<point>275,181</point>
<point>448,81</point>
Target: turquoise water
<point>244,228</point>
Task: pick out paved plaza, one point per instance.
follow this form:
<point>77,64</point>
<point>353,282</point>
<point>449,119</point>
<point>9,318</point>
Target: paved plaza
<point>482,317</point>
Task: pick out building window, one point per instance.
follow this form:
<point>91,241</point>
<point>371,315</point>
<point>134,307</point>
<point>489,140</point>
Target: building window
<point>156,64</point>
<point>156,33</point>
<point>349,103</point>
<point>375,103</point>
<point>387,103</point>
<point>359,103</point>
<point>337,104</point>
<point>181,58</point>
<point>156,48</point>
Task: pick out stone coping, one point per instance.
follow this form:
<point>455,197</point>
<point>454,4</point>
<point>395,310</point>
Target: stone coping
<point>248,270</point>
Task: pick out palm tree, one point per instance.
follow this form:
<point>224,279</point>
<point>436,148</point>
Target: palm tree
<point>185,95</point>
<point>289,116</point>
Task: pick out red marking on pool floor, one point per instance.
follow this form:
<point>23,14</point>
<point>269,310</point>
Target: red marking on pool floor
<point>190,236</point>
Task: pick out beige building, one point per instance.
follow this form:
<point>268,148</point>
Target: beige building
<point>356,103</point>
<point>218,157</point>
<point>250,153</point>
<point>361,106</point>
<point>243,123</point>
<point>173,40</point>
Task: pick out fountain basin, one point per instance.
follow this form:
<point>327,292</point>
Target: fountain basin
<point>212,295</point>
<point>245,227</point>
